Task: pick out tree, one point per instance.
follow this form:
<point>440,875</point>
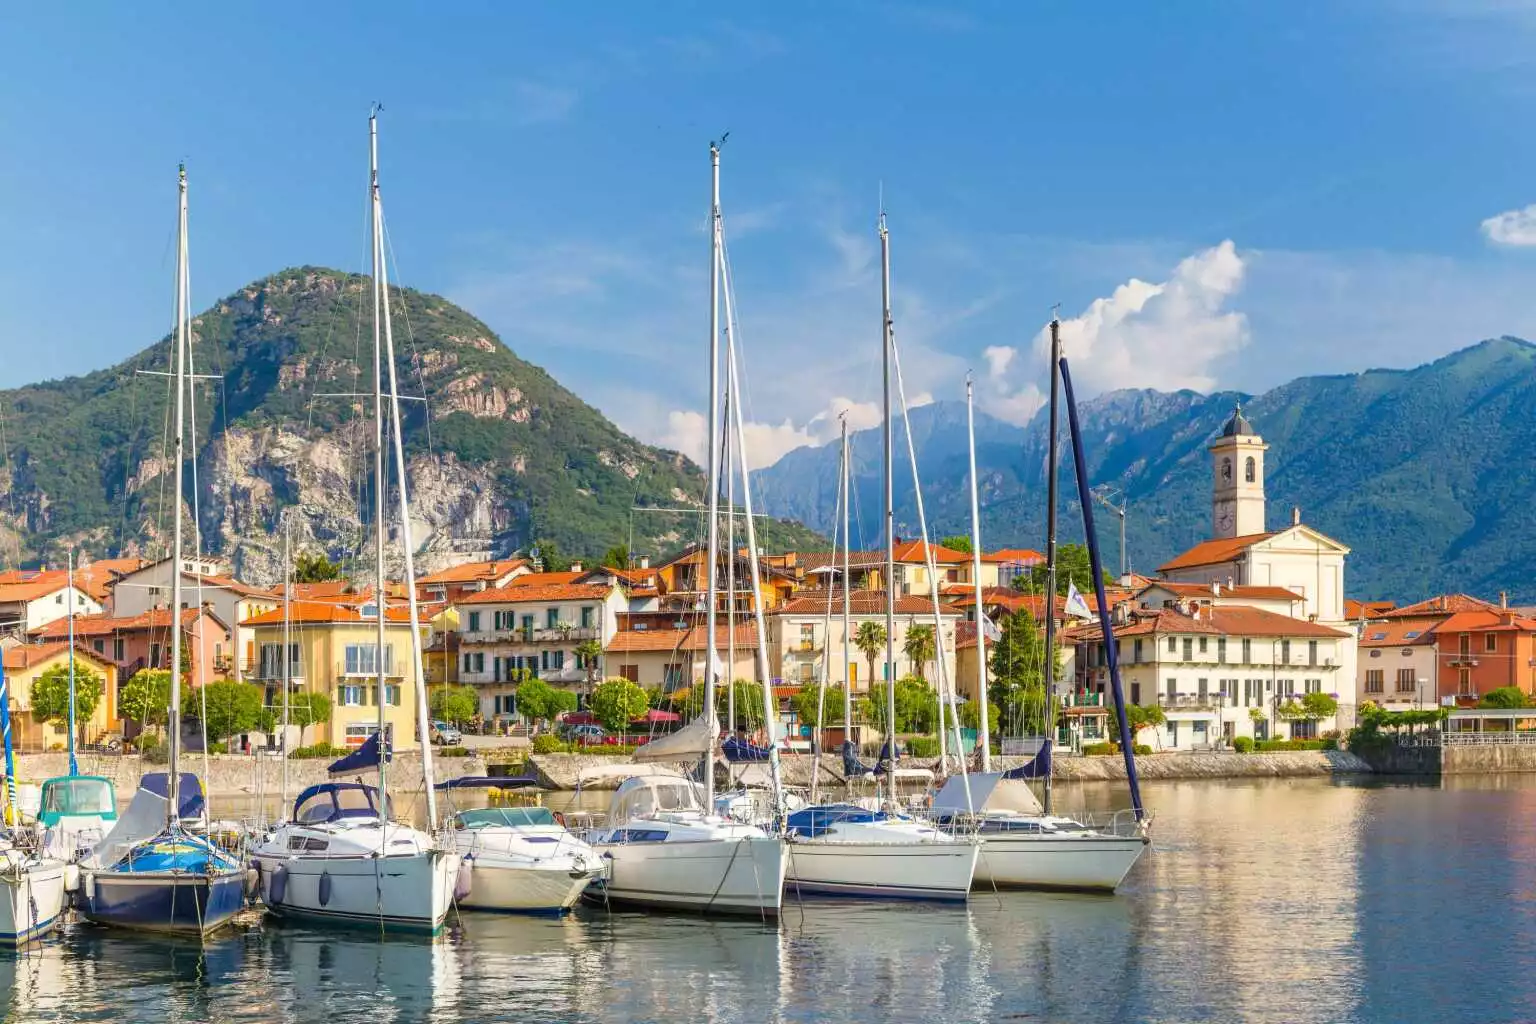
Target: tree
<point>146,698</point>
<point>918,645</point>
<point>540,702</point>
<point>748,697</point>
<point>1505,697</point>
<point>970,715</point>
<point>231,708</point>
<point>1316,706</point>
<point>1144,716</point>
<point>869,638</point>
<point>455,704</point>
<point>616,557</point>
<point>616,702</point>
<point>314,568</point>
<point>550,555</point>
<point>1018,672</point>
<point>590,653</point>
<point>917,707</point>
<point>806,700</point>
<point>959,542</point>
<point>304,710</point>
<point>50,694</point>
<point>1072,566</point>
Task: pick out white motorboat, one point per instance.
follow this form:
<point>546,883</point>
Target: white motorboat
<point>849,850</point>
<point>522,859</point>
<point>664,851</point>
<point>1022,848</point>
<point>31,894</point>
<point>341,860</point>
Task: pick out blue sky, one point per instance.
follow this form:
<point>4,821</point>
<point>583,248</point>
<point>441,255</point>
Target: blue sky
<point>1217,194</point>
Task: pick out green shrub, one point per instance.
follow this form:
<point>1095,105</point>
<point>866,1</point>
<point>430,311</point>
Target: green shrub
<point>218,748</point>
<point>1276,745</point>
<point>453,752</point>
<point>318,750</point>
<point>923,746</point>
<point>1098,749</point>
<point>1242,744</point>
<point>1142,748</point>
<point>548,744</point>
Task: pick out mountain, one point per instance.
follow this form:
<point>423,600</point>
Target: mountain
<point>1421,472</point>
<point>499,454</point>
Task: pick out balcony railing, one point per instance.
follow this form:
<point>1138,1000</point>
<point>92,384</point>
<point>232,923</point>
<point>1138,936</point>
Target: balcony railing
<point>1190,701</point>
<point>359,671</point>
<point>1462,661</point>
<point>272,672</point>
<point>521,635</point>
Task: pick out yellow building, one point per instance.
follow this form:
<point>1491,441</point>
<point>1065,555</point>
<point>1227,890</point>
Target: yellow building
<point>333,650</point>
<point>24,663</point>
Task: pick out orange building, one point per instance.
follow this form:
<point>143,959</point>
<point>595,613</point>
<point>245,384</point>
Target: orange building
<point>1484,649</point>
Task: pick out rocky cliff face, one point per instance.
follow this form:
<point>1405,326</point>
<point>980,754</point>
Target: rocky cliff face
<point>498,454</point>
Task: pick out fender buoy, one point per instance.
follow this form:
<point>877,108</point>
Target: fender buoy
<point>325,888</point>
<point>462,883</point>
<point>277,886</point>
<point>253,882</point>
<point>559,819</point>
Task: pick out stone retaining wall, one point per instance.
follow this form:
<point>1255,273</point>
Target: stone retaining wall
<point>1476,759</point>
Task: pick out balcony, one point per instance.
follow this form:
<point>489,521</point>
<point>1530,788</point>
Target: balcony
<point>1462,660</point>
<point>520,635</point>
<point>360,671</point>
<point>272,672</point>
<point>1190,702</point>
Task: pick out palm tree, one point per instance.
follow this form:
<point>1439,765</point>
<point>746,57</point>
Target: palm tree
<point>918,646</point>
<point>870,638</point>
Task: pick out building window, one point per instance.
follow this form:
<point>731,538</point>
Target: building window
<point>1136,652</point>
<point>1221,649</point>
<point>586,616</point>
<point>474,622</point>
<point>1491,643</point>
<point>1136,691</point>
<point>1202,645</point>
<point>1311,652</point>
<point>1173,645</point>
<point>1464,683</point>
<point>392,694</point>
<point>358,734</point>
<point>1311,686</point>
<point>559,660</point>
<point>1407,680</point>
<point>100,646</point>
<point>270,663</point>
<point>117,650</point>
<point>1466,644</point>
<point>1171,690</point>
<point>1247,651</point>
<point>1203,687</point>
<point>362,659</point>
<point>630,672</point>
<point>1250,470</point>
<point>352,696</point>
<point>1189,649</point>
<point>551,618</point>
<point>1375,680</point>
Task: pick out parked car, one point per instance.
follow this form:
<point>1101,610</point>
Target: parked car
<point>588,734</point>
<point>446,735</point>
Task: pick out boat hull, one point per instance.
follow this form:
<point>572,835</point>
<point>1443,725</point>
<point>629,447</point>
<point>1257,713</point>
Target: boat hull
<point>911,871</point>
<point>740,875</point>
<point>162,901</point>
<point>402,893</point>
<point>524,889</point>
<point>1088,863</point>
<point>31,902</point>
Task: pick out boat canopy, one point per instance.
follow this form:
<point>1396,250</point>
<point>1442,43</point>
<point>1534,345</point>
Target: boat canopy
<point>189,791</point>
<point>70,796</point>
<point>333,801</point>
<point>738,751</point>
<point>362,760</point>
<point>989,792</point>
<point>504,817</point>
<point>647,795</point>
<point>489,782</point>
<point>814,821</point>
<point>691,742</point>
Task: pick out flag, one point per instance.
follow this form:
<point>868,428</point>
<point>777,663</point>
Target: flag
<point>1075,604</point>
<point>989,629</point>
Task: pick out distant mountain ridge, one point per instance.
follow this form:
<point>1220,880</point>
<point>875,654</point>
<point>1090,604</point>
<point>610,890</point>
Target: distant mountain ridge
<point>499,453</point>
<point>1423,472</point>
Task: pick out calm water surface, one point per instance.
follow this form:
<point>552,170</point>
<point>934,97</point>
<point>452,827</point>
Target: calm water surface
<point>1290,901</point>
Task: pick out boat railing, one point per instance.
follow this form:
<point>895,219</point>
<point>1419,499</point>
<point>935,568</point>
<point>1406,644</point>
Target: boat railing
<point>1121,823</point>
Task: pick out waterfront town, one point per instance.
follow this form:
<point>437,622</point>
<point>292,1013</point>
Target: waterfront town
<point>1247,637</point>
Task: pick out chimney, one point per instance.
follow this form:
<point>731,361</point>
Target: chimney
<point>1295,515</point>
<point>1503,599</point>
<point>1215,589</point>
<point>645,561</point>
<point>575,567</point>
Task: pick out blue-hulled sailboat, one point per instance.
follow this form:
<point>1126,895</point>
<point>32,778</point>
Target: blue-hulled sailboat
<point>151,873</point>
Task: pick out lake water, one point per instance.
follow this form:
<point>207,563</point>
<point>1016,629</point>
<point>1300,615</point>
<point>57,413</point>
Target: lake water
<point>1285,900</point>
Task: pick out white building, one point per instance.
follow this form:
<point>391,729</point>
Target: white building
<point>32,598</point>
<point>203,582</point>
<point>799,633</point>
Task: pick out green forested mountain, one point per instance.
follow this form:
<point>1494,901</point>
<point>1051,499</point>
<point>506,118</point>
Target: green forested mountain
<point>1425,473</point>
<point>499,453</point>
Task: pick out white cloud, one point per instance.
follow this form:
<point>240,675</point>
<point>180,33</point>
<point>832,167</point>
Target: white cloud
<point>1512,227</point>
<point>767,443</point>
<point>998,358</point>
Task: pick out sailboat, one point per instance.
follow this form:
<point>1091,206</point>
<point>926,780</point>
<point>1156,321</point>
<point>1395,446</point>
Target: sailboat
<point>150,872</point>
<point>666,845</point>
<point>31,886</point>
<point>850,850</point>
<point>340,859</point>
<point>1024,845</point>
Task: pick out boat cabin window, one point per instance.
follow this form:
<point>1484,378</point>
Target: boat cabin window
<point>640,798</point>
<point>332,803</point>
<point>78,796</point>
<point>308,843</point>
<point>514,817</point>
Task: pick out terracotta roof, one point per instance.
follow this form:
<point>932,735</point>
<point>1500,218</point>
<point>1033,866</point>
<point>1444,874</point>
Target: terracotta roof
<point>1396,633</point>
<point>1228,620</point>
<point>1023,556</point>
<point>1482,621</point>
<point>692,639</point>
<point>102,625</point>
<point>631,576</point>
<point>1252,593</point>
<point>24,656</point>
<point>470,572</point>
<point>912,552</point>
<point>861,602</point>
<point>1145,623</point>
<point>540,579</point>
<point>326,612</point>
<point>1444,604</point>
<point>96,578</point>
<point>324,591</point>
<point>224,583</point>
<point>1354,609</point>
<point>856,559</point>
<point>29,585</point>
<point>1012,601</point>
<point>514,592</point>
<point>1214,552</point>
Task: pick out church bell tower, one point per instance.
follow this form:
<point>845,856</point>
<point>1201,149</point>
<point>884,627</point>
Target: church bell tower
<point>1237,484</point>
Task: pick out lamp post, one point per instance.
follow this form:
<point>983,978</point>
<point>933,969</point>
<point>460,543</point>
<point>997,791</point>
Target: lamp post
<point>1420,683</point>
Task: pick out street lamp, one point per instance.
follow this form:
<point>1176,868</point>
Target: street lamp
<point>1420,683</point>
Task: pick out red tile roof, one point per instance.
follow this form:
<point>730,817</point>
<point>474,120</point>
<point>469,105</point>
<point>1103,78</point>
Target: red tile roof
<point>1252,593</point>
<point>325,612</point>
<point>1214,552</point>
<point>29,584</point>
<point>1013,601</point>
<point>516,592</point>
<point>912,552</point>
<point>1228,620</point>
<point>540,579</point>
<point>1354,609</point>
<point>664,640</point>
<point>1021,556</point>
<point>1443,604</point>
<point>103,625</point>
<point>24,656</point>
<point>861,602</point>
<point>1395,633</point>
<point>470,572</point>
<point>856,559</point>
<point>1483,621</point>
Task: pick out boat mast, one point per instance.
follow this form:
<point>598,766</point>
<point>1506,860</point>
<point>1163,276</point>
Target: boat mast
<point>287,656</point>
<point>69,595</point>
<point>1052,454</point>
<point>847,583</point>
<point>402,492</point>
<point>889,514</point>
<point>983,722</point>
<point>826,645</point>
<point>730,569</point>
<point>173,716</point>
<point>713,417</point>
<point>8,812</point>
<point>380,595</point>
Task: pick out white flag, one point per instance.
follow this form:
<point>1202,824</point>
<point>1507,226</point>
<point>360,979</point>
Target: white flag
<point>1076,606</point>
<point>989,629</point>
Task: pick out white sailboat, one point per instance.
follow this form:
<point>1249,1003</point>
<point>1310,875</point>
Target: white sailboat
<point>665,844</point>
<point>523,860</point>
<point>31,886</point>
<point>1023,845</point>
<point>341,858</point>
